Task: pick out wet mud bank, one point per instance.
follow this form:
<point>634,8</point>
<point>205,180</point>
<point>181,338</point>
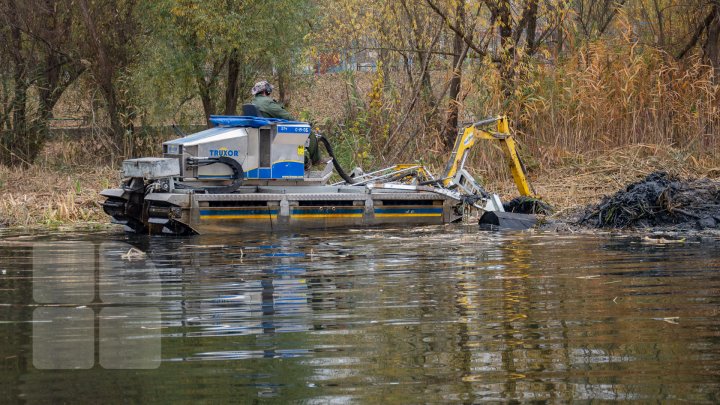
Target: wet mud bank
<point>659,203</point>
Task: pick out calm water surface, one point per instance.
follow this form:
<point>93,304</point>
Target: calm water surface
<point>425,315</point>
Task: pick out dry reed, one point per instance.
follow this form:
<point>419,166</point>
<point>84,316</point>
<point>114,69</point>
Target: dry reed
<point>607,96</point>
<point>49,197</point>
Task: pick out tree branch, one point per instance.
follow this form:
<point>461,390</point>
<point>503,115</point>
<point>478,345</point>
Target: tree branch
<point>696,35</point>
<point>456,29</point>
<point>616,9</point>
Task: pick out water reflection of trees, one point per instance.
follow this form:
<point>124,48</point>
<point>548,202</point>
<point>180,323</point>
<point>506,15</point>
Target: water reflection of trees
<point>374,319</point>
<point>512,319</point>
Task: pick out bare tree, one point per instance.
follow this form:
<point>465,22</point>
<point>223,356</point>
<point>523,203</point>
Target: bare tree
<point>38,41</point>
<point>111,28</point>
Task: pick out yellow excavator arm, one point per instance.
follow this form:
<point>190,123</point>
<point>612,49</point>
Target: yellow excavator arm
<point>466,140</point>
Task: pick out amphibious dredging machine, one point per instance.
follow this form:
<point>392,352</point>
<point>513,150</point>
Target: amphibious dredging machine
<point>248,174</point>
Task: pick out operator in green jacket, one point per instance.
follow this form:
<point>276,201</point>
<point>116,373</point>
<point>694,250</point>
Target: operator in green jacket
<point>268,107</point>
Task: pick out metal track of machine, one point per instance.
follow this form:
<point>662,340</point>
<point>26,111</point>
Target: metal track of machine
<point>248,174</point>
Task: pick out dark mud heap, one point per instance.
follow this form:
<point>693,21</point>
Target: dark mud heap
<point>659,201</point>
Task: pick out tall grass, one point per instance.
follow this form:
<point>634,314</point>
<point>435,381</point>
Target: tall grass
<point>607,95</point>
<point>48,196</point>
<point>611,95</point>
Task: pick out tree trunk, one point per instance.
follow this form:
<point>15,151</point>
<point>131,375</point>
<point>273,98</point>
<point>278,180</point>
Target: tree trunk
<point>507,47</point>
<point>531,27</point>
<point>425,82</point>
<point>384,60</point>
<point>33,35</point>
<point>450,132</point>
<point>15,142</point>
<point>206,98</point>
<point>19,103</point>
<point>711,49</point>
<point>283,86</point>
<point>48,83</point>
<point>661,24</point>
<point>5,105</point>
<point>104,71</point>
<point>113,109</point>
<point>207,85</point>
<point>559,40</point>
<point>231,92</point>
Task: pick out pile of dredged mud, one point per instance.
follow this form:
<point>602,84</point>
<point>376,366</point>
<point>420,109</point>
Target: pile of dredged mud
<point>659,201</point>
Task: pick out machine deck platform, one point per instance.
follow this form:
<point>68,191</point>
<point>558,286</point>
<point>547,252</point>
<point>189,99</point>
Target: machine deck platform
<point>286,208</point>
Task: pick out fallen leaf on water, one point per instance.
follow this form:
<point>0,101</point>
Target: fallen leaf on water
<point>517,318</point>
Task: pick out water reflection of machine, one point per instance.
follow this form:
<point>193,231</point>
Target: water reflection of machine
<point>222,290</point>
<point>268,305</point>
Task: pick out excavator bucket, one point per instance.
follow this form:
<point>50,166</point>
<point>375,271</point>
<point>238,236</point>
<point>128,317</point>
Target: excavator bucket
<point>509,221</point>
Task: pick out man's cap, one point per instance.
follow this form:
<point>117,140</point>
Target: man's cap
<point>260,87</point>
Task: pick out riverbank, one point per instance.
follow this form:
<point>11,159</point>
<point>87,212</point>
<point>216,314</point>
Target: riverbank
<point>42,196</point>
<point>48,195</point>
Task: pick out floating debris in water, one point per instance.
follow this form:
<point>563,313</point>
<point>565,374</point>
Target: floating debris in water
<point>133,254</point>
<point>670,319</point>
<point>661,240</point>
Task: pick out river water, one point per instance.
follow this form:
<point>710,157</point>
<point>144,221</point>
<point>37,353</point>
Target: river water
<point>424,315</point>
